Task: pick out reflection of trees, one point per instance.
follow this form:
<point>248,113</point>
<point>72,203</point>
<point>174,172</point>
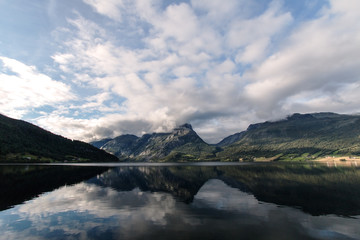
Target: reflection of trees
<point>317,190</point>
<point>21,183</point>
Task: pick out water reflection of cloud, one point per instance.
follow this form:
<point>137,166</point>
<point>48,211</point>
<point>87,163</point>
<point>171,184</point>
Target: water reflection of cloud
<point>88,211</point>
<point>216,194</point>
<point>78,209</point>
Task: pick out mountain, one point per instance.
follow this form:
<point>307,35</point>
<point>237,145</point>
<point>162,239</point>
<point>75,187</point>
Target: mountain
<point>297,137</point>
<point>307,135</point>
<point>121,146</point>
<point>21,141</point>
<point>181,144</point>
<point>231,139</point>
<point>100,143</point>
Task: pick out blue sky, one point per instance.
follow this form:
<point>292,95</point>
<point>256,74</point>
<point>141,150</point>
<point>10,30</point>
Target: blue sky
<point>90,69</point>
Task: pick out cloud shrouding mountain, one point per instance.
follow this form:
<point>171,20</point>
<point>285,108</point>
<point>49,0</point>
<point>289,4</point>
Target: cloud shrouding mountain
<point>143,66</point>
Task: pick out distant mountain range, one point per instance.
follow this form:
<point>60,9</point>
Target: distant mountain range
<point>21,141</point>
<point>299,137</point>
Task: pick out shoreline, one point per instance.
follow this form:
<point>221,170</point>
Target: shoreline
<point>343,161</point>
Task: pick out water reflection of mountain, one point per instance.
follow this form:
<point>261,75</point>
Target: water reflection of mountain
<point>155,179</point>
<point>317,190</point>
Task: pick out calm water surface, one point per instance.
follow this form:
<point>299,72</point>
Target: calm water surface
<point>283,201</point>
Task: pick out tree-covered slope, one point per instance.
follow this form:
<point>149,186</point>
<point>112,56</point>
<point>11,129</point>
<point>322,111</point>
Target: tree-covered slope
<point>21,141</point>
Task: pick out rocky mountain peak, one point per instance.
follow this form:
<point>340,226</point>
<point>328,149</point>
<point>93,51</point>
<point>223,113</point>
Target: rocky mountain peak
<point>298,116</point>
<point>186,125</point>
<point>183,130</point>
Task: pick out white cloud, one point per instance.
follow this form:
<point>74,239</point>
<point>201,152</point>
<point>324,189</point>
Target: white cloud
<point>253,52</point>
<point>157,97</point>
<point>23,87</point>
<point>320,57</point>
<point>178,22</point>
<point>219,13</point>
<point>110,8</point>
<point>218,65</point>
<point>243,32</point>
<point>180,74</point>
<point>108,125</point>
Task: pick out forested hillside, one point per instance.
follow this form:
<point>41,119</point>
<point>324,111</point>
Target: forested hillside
<point>21,141</point>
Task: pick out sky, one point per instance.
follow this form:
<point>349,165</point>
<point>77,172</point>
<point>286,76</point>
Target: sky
<point>92,69</point>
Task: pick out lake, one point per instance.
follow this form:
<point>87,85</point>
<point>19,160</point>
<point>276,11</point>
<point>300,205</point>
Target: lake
<point>180,201</point>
